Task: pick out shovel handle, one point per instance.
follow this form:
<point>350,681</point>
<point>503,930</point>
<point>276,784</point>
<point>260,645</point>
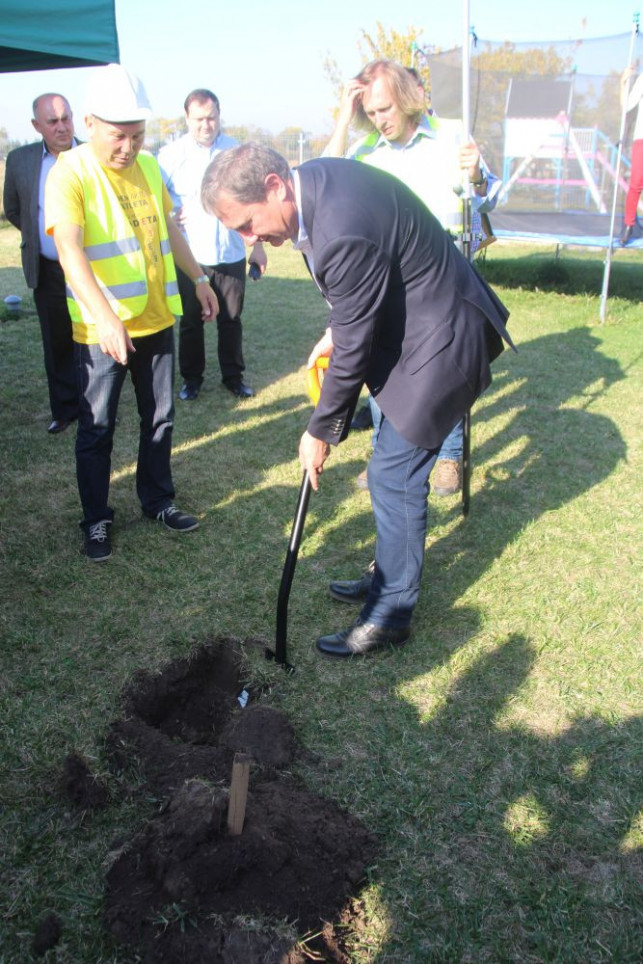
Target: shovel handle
<point>466,462</point>
<point>288,573</point>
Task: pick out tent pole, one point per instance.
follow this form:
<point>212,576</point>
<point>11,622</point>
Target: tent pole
<point>608,256</point>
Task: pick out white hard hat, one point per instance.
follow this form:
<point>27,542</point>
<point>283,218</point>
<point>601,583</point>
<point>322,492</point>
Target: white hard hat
<point>115,95</point>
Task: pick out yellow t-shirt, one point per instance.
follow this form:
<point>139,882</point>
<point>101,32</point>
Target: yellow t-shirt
<point>65,205</point>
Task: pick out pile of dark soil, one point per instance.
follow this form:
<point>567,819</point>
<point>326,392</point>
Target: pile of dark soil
<point>184,889</point>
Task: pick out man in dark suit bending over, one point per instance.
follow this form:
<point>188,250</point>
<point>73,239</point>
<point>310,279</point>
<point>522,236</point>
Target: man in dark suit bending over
<point>24,192</point>
<point>408,316</point>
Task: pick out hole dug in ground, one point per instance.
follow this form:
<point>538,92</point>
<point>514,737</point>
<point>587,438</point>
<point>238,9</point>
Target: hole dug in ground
<point>183,889</point>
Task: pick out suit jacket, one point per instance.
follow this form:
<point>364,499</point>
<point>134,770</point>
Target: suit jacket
<point>21,184</point>
<point>409,315</point>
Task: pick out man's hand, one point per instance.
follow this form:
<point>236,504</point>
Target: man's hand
<point>114,338</point>
<point>469,157</point>
<point>351,97</point>
<point>259,257</point>
<point>312,455</point>
<point>179,218</point>
<point>208,301</point>
<point>323,347</point>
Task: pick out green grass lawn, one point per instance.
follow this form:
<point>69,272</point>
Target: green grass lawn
<point>496,758</point>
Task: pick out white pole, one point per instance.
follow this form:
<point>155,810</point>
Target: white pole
<point>608,257</point>
<point>466,68</point>
<point>466,127</point>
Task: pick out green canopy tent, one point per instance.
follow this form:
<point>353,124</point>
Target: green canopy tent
<point>47,34</point>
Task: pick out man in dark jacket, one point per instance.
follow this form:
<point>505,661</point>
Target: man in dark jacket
<point>24,191</point>
<point>408,316</point>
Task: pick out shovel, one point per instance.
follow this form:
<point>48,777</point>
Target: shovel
<point>313,383</point>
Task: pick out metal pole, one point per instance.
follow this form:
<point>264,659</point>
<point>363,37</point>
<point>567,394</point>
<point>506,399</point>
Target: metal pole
<point>608,257</point>
<point>466,235</point>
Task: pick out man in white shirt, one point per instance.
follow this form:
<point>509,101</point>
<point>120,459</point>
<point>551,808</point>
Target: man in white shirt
<point>221,253</point>
<point>423,152</point>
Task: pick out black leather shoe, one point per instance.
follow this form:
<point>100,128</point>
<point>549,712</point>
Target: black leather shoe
<point>353,590</point>
<point>239,388</point>
<point>360,639</point>
<point>57,426</point>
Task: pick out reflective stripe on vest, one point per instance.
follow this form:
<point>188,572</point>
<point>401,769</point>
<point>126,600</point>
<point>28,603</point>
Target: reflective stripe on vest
<point>111,249</point>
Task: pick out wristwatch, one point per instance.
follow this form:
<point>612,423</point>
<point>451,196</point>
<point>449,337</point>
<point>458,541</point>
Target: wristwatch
<point>202,280</point>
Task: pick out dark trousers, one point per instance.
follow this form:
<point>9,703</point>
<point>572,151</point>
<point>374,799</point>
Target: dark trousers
<point>101,380</point>
<point>228,282</point>
<point>57,341</point>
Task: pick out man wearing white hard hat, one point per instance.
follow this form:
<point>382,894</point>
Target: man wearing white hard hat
<point>108,211</point>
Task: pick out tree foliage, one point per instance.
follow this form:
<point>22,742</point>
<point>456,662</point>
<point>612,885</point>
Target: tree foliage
<point>404,48</point>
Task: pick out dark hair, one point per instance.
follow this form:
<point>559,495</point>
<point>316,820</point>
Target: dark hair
<point>404,89</point>
<point>242,172</point>
<point>201,95</point>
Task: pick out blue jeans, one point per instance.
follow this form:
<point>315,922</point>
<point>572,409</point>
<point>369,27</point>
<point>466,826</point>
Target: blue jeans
<point>100,380</point>
<point>397,480</point>
<point>451,447</point>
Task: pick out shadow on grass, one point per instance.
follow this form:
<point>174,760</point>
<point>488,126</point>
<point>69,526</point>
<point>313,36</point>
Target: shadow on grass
<point>566,274</point>
<point>508,839</point>
<point>549,450</point>
<point>521,840</point>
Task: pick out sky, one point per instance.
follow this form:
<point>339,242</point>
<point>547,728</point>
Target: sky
<point>265,58</point>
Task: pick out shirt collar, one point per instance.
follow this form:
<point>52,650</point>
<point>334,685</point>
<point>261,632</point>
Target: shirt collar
<point>303,242</point>
<point>199,148</point>
<point>47,153</point>
<point>426,128</point>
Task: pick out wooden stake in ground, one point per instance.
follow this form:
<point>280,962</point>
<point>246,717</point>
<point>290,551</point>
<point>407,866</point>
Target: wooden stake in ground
<point>238,793</point>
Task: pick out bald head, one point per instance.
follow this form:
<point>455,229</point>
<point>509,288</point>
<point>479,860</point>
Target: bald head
<point>54,121</point>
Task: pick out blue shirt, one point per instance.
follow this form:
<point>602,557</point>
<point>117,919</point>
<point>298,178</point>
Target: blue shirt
<point>47,246</point>
<point>183,163</point>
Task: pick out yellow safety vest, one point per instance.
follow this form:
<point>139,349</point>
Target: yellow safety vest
<point>111,245</point>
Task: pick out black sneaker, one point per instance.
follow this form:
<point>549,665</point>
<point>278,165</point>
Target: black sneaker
<point>239,388</point>
<point>189,393</point>
<point>176,520</point>
<point>97,545</point>
<point>363,419</point>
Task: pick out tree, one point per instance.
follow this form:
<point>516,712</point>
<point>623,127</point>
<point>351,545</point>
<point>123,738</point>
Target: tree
<point>404,48</point>
<point>160,130</point>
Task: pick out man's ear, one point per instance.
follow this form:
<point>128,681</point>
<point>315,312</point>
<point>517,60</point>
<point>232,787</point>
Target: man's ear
<point>275,184</point>
<point>36,125</point>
